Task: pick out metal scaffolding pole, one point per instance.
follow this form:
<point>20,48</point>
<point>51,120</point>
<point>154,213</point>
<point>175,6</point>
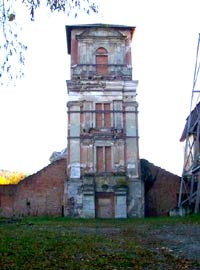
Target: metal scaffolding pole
<point>189,191</point>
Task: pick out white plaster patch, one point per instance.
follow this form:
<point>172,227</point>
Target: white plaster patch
<point>75,171</point>
<point>88,206</point>
<point>120,207</point>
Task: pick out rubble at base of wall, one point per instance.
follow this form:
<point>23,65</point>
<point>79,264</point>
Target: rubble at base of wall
<point>179,211</point>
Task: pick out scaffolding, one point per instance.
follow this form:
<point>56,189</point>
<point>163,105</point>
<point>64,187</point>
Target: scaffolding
<point>189,193</point>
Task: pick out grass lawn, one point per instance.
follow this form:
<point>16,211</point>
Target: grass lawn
<point>63,243</point>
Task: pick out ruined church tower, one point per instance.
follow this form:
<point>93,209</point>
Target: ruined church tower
<point>103,176</point>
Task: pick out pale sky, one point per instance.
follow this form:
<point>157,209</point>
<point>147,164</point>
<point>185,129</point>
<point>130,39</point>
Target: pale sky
<point>33,114</point>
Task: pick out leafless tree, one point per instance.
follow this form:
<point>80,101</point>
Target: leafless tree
<point>12,48</point>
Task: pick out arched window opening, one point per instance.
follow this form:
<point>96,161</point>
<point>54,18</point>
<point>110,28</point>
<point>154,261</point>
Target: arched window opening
<point>101,61</point>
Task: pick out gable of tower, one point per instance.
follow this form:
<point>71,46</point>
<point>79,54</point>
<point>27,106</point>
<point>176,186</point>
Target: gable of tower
<point>90,41</point>
<point>101,32</point>
<point>100,51</point>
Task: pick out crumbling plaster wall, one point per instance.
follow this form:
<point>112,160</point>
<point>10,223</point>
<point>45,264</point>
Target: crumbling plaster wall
<point>123,123</point>
<point>122,137</point>
<point>85,43</point>
<point>87,89</point>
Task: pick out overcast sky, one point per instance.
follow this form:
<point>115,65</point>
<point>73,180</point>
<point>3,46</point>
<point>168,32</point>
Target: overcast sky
<point>33,115</point>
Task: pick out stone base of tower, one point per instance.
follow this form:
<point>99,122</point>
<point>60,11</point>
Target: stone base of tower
<point>102,197</point>
<point>73,198</point>
<point>135,198</point>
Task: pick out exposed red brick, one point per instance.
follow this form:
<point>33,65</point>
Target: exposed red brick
<point>98,115</point>
<point>108,163</point>
<point>101,62</point>
<point>38,194</point>
<point>162,195</point>
<point>99,153</point>
<point>107,208</point>
<point>42,193</point>
<point>107,116</point>
<point>74,57</point>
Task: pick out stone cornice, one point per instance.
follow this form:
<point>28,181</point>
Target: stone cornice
<point>101,85</point>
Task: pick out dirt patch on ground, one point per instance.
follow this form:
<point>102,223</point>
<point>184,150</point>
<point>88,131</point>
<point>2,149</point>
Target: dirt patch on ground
<point>181,240</point>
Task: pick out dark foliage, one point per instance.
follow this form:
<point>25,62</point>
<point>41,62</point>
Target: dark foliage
<point>146,174</point>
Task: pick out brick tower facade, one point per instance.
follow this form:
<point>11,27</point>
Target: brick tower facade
<point>103,178</point>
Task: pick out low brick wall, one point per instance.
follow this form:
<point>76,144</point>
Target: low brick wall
<point>162,192</point>
<point>37,195</point>
<point>42,193</point>
<point>7,194</point>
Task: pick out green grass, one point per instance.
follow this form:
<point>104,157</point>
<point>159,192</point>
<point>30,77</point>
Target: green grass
<point>64,243</point>
<point>195,219</point>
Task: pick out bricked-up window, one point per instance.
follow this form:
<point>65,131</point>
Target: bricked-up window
<point>99,116</point>
<point>104,159</point>
<point>101,61</point>
<point>99,159</point>
<point>103,115</point>
<point>108,164</point>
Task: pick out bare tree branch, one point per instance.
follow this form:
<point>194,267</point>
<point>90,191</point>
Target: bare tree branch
<point>12,48</point>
